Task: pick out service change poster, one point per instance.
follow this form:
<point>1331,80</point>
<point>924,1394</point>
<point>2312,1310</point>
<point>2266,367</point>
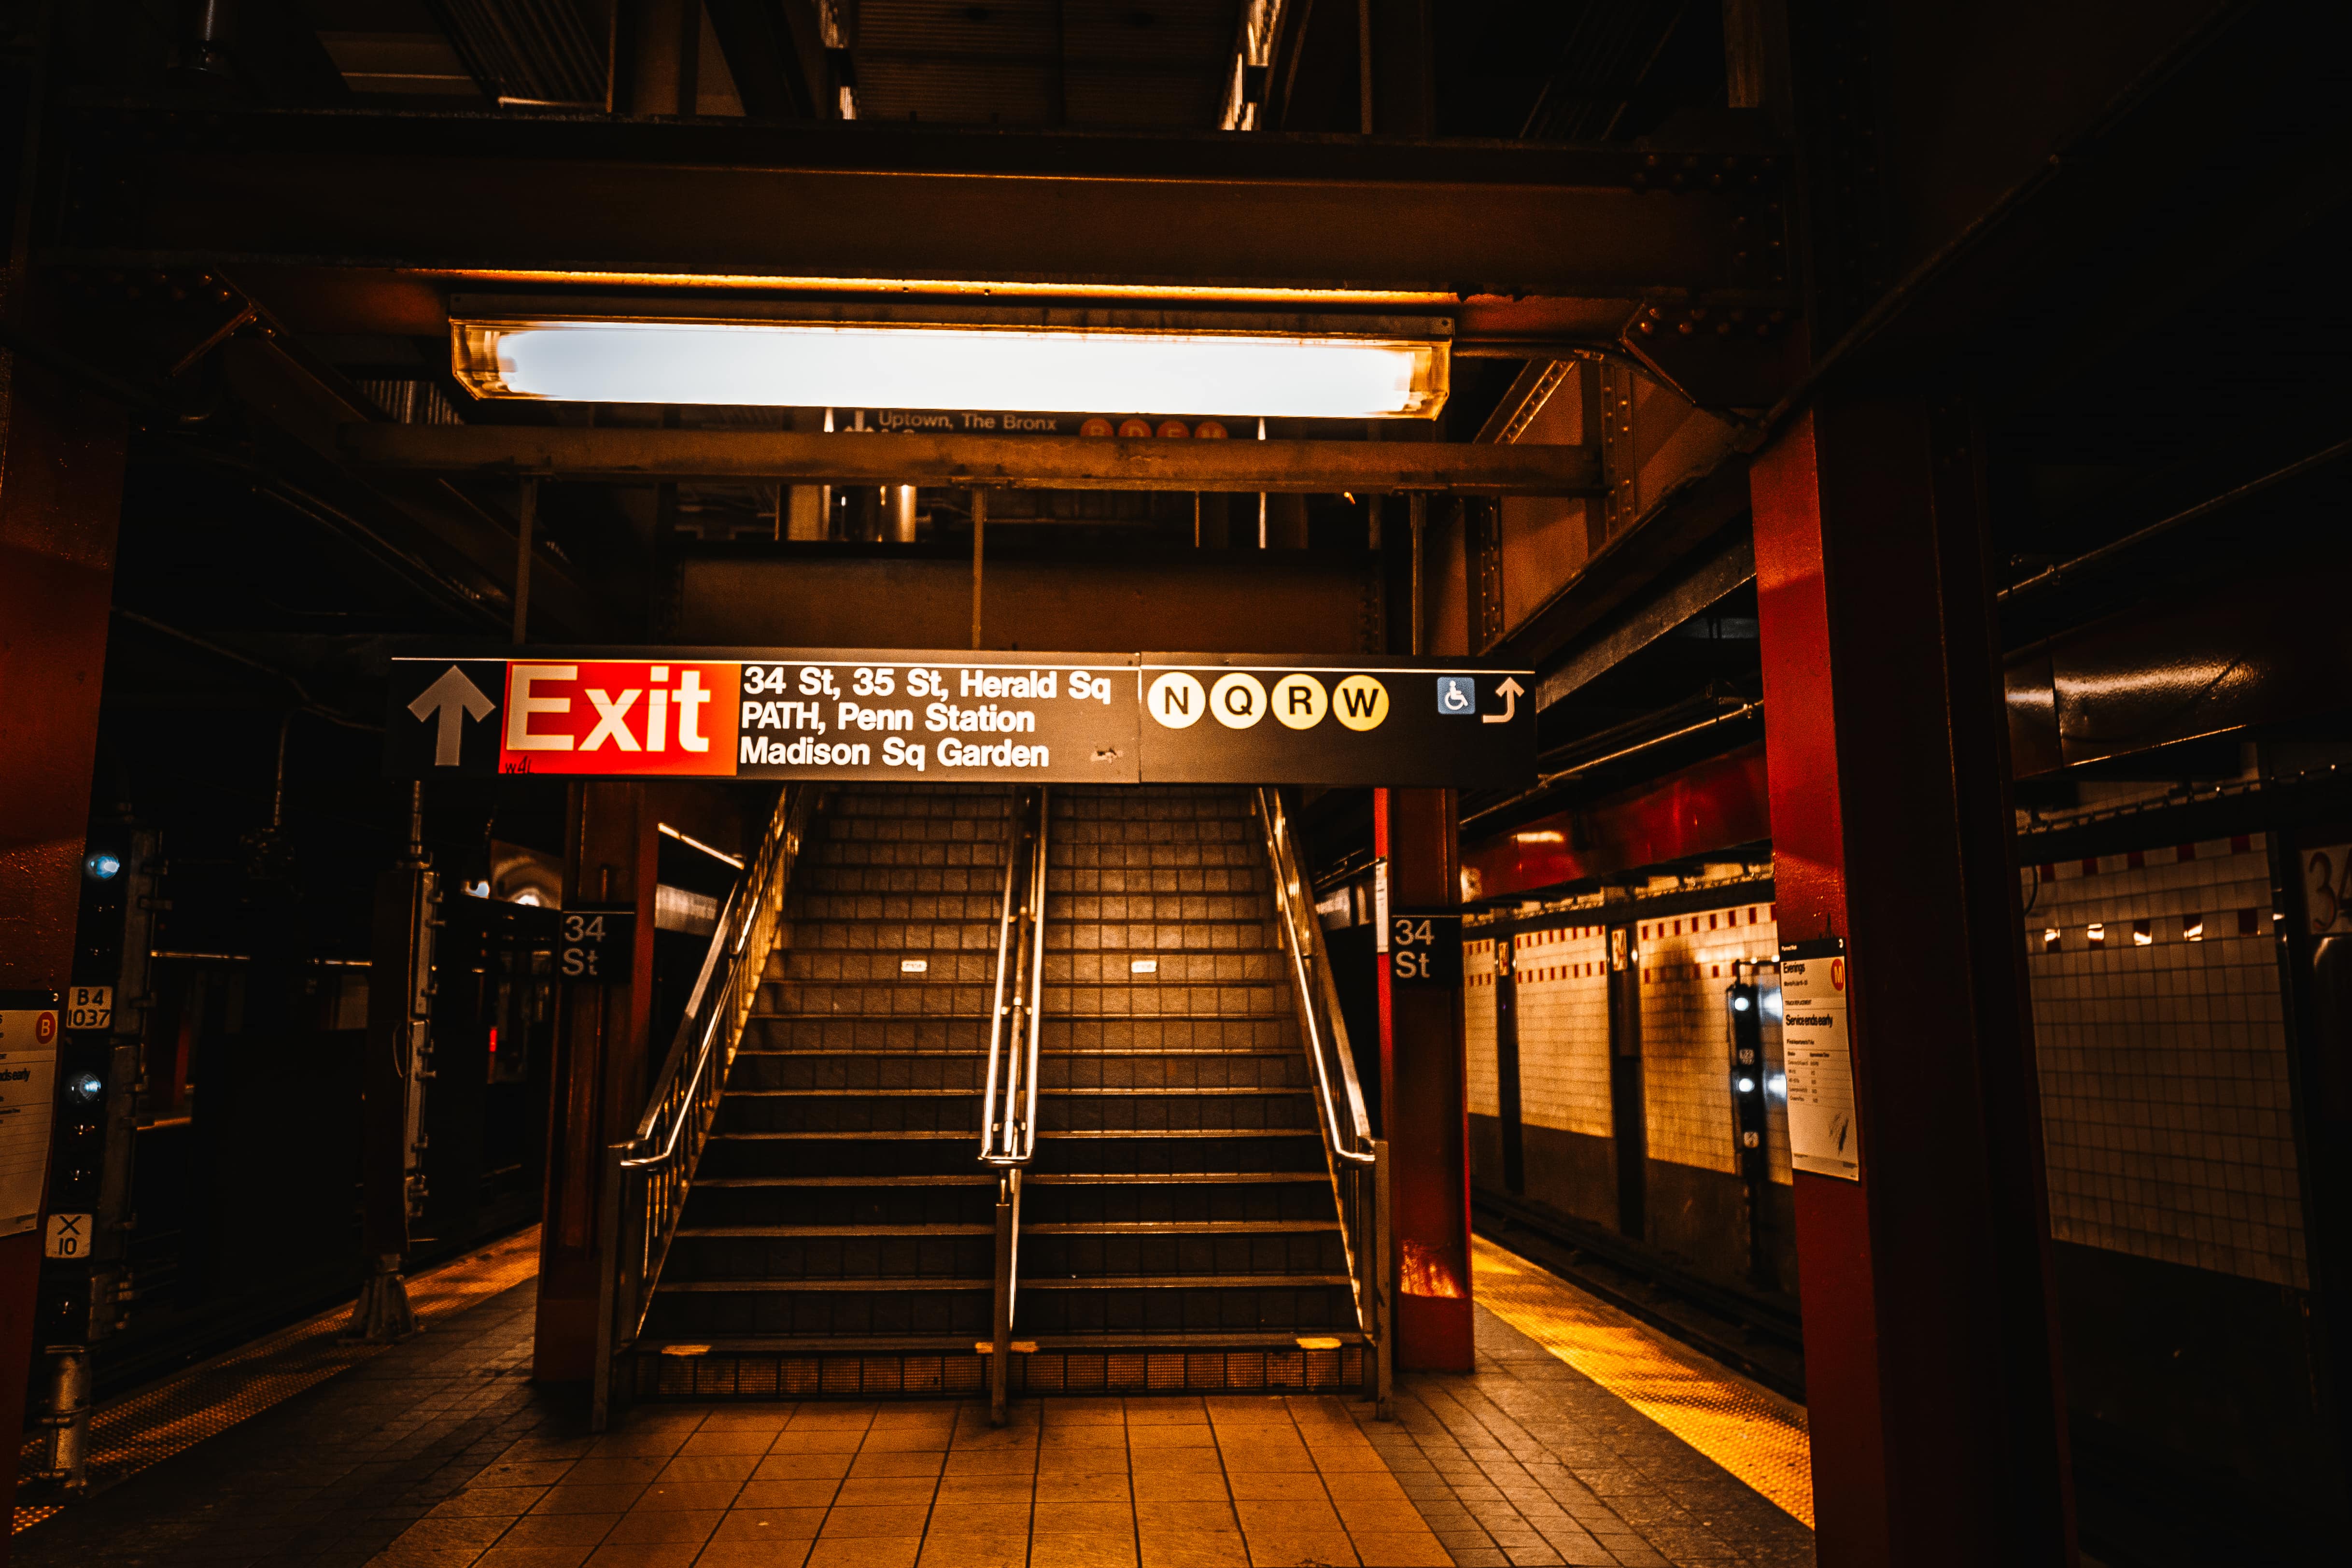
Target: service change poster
<point>1817,1054</point>
<point>28,1072</point>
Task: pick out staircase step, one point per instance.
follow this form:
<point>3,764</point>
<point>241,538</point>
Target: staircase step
<point>1157,1134</point>
<point>883,1285</point>
<point>898,1181</point>
<point>875,966</point>
<point>1190,1178</point>
<point>1210,1053</point>
<point>1161,939</point>
<point>762,1232</point>
<point>949,1017</point>
<point>941,1136</point>
<point>716,1347</point>
<point>929,1035</point>
<point>1181,1091</point>
<point>854,1092</point>
<point>804,908</point>
<point>819,999</point>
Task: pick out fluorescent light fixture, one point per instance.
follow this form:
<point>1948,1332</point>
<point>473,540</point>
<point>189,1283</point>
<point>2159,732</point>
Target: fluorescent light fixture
<point>1026,368</point>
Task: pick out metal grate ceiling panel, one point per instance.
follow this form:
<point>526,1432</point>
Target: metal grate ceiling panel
<point>1044,62</point>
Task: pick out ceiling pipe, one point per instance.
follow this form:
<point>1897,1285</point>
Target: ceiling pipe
<point>2051,577</point>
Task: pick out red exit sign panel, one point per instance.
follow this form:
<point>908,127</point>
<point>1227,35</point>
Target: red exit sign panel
<point>670,717</point>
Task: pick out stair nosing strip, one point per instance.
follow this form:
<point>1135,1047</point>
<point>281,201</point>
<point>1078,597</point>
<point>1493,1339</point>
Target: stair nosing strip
<point>1193,1178</point>
<point>1183,1089</point>
<point>1097,1344</point>
<point>873,1018</point>
<point>1191,1282</point>
<point>852,1093</point>
<point>1176,1228</point>
<point>778,1286</point>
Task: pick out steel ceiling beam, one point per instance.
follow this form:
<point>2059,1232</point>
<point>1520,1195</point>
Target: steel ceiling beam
<point>1013,462</point>
<point>1539,239</point>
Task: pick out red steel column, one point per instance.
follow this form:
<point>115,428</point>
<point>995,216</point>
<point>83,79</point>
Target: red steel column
<point>1939,1433</point>
<point>598,1080</point>
<point>1424,1097</point>
<point>60,504</point>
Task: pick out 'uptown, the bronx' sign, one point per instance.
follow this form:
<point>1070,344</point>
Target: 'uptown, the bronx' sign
<point>799,713</point>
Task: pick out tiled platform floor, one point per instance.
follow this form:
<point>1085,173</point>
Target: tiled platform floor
<point>439,1453</point>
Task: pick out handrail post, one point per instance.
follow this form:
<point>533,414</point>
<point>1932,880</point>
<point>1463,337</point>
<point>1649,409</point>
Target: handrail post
<point>608,1226</point>
<point>1383,1271</point>
<point>1035,999</point>
<point>999,1364</point>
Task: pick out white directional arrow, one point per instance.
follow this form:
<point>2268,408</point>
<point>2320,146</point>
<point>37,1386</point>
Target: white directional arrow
<point>1512,691</point>
<point>451,696</point>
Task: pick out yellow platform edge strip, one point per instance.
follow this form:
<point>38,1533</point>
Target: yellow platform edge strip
<point>150,1425</point>
<point>1749,1431</point>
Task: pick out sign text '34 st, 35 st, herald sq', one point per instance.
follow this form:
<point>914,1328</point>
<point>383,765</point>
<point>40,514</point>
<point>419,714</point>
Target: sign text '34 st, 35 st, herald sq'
<point>960,717</point>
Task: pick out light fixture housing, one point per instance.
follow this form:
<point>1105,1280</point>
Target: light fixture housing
<point>1015,359</point>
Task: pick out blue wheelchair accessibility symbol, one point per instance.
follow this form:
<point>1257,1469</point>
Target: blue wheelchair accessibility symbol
<point>1457,694</point>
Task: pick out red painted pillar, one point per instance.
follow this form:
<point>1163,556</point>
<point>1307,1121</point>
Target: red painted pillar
<point>1939,1433</point>
<point>602,1063</point>
<point>60,504</point>
<point>1424,1097</point>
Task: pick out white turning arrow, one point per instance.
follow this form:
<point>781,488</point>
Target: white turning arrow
<point>1511,690</point>
<point>451,696</point>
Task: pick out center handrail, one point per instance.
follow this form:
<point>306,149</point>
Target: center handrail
<point>1008,1137</point>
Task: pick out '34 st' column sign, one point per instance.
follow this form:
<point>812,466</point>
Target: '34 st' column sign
<point>1103,717</point>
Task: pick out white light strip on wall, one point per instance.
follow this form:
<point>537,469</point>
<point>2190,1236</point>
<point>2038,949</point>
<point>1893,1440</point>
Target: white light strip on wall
<point>825,365</point>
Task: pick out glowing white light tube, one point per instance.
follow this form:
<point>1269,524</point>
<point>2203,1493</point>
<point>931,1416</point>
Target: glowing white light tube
<point>825,365</point>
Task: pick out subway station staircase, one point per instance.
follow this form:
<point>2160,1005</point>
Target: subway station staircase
<point>1179,1195</point>
<point>1171,1218</point>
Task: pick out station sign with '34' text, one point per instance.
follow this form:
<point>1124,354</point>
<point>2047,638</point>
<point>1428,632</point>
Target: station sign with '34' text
<point>960,717</point>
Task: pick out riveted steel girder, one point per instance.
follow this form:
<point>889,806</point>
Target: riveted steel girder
<point>1523,245</point>
<point>1013,462</point>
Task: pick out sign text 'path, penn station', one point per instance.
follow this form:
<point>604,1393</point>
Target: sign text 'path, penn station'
<point>985,717</point>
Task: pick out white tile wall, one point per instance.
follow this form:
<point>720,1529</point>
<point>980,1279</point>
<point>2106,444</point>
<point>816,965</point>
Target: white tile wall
<point>1563,1014</point>
<point>1478,1025</point>
<point>1685,962</point>
<point>1563,1029</point>
<point>2165,1099</point>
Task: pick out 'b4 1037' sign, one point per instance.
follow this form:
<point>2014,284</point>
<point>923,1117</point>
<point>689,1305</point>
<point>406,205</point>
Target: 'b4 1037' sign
<point>961,717</point>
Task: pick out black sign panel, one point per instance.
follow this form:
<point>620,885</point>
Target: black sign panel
<point>1248,718</point>
<point>596,943</point>
<point>959,717</point>
<point>1036,717</point>
<point>1425,951</point>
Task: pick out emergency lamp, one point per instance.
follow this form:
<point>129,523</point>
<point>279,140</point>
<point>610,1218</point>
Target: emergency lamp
<point>1013,360</point>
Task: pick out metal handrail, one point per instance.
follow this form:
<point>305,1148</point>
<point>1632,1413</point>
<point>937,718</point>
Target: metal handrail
<point>646,1177</point>
<point>1352,1142</point>
<point>1357,1162</point>
<point>1010,1135</point>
